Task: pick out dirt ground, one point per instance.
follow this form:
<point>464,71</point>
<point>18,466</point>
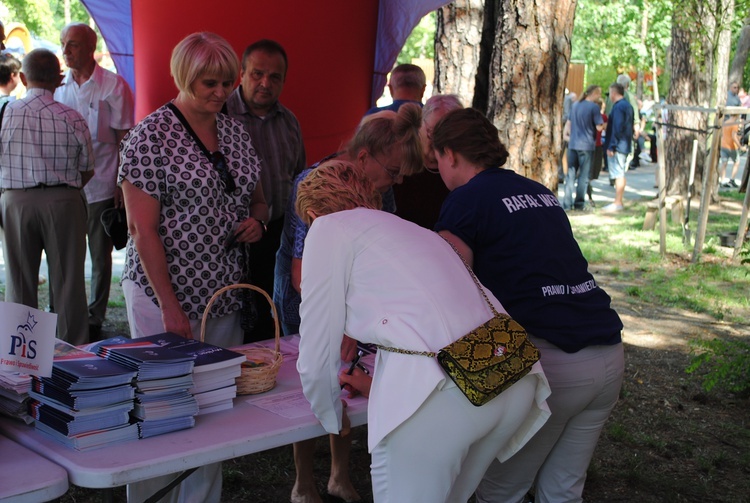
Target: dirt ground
<point>667,439</point>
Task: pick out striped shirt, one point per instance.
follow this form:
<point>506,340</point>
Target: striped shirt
<point>43,142</point>
<point>278,141</point>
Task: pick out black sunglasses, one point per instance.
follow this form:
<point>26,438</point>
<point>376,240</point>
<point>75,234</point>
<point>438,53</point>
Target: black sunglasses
<point>220,163</point>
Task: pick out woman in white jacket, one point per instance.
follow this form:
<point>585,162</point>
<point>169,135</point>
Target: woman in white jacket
<point>386,281</point>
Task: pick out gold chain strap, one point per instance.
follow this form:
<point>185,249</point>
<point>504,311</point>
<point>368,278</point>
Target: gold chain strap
<point>407,351</point>
<point>473,276</point>
<point>481,290</point>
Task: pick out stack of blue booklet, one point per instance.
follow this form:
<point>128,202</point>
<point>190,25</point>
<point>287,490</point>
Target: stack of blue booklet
<point>163,402</point>
<point>87,401</point>
<point>214,373</point>
<point>215,368</point>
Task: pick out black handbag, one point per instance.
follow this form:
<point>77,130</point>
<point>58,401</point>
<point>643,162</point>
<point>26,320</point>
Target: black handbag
<point>115,224</point>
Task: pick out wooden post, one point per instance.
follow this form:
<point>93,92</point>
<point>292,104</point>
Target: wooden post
<point>740,240</point>
<point>661,166</point>
<point>708,182</point>
<point>686,233</point>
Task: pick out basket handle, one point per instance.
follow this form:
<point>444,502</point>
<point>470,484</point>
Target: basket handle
<point>234,287</point>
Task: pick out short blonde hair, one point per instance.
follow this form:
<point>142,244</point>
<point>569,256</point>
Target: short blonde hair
<point>335,186</point>
<point>384,131</point>
<point>202,53</point>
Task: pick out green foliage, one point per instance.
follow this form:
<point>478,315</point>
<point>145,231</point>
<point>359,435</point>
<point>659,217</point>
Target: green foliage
<point>607,35</point>
<point>35,14</point>
<point>745,254</point>
<point>43,18</point>
<point>421,42</point>
<point>728,364</point>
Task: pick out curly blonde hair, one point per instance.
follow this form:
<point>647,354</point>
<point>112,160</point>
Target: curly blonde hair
<point>335,186</point>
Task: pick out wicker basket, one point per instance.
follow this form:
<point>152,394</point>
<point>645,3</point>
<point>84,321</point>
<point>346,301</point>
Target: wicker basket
<point>262,366</point>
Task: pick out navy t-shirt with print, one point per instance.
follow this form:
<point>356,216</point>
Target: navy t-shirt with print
<point>525,253</point>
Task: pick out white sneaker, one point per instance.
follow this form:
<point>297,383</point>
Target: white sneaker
<point>645,157</point>
<point>612,208</point>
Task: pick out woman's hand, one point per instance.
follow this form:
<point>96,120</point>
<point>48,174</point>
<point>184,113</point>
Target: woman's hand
<point>176,321</point>
<point>348,349</point>
<point>250,231</point>
<point>356,383</point>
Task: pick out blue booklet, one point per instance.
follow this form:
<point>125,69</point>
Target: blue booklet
<point>149,360</point>
<point>207,356</point>
<point>88,371</point>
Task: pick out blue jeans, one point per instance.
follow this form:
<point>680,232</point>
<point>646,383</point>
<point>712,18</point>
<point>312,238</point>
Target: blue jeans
<point>579,165</point>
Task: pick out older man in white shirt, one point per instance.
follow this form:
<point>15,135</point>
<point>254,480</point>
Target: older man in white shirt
<point>106,102</point>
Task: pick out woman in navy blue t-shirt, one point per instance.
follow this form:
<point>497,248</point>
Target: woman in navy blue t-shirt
<point>516,236</point>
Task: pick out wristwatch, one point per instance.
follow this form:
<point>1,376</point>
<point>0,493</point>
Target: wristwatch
<point>262,224</point>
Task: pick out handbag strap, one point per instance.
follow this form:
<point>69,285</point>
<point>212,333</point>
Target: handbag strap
<point>473,276</point>
<point>432,354</point>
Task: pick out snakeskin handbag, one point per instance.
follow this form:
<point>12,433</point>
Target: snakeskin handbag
<point>489,359</point>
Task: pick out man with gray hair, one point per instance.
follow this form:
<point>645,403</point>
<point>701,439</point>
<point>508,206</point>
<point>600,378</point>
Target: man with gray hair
<point>46,157</point>
<point>407,85</point>
<point>419,197</point>
<point>106,103</point>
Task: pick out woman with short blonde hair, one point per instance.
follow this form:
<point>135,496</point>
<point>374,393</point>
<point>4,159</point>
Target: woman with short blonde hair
<point>385,147</point>
<point>385,281</point>
<point>202,53</point>
<point>335,186</point>
<point>191,181</point>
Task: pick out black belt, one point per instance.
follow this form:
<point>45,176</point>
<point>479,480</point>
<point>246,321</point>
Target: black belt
<point>44,186</point>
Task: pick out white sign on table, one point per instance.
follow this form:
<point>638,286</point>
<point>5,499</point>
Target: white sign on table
<point>27,339</point>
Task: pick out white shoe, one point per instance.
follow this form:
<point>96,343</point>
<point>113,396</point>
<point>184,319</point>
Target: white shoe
<point>645,157</point>
<point>612,207</point>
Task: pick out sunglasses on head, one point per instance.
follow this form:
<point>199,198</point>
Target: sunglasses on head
<point>220,163</point>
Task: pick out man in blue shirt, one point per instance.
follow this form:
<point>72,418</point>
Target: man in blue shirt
<point>618,142</point>
<point>580,130</point>
<point>407,85</point>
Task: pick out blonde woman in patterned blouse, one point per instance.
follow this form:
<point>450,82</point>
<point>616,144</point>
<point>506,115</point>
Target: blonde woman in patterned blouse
<point>191,181</point>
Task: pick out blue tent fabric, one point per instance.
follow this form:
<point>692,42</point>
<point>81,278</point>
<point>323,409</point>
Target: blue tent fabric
<point>114,19</point>
<point>396,20</point>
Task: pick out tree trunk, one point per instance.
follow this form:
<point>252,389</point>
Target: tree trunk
<point>457,47</point>
<point>482,86</point>
<point>528,71</point>
<point>644,34</point>
<point>740,54</point>
<point>725,15</point>
<point>691,59</point>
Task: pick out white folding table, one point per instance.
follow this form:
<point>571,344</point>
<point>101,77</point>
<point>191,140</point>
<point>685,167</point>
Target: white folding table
<point>27,477</point>
<point>244,429</point>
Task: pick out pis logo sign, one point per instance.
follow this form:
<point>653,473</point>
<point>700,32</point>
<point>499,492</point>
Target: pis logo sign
<point>20,344</point>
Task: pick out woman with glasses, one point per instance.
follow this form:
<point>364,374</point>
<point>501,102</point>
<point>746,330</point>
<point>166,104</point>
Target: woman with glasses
<point>387,281</point>
<point>191,182</point>
<point>386,147</point>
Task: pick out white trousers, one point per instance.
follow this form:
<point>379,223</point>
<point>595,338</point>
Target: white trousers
<point>585,387</point>
<point>144,317</point>
<point>441,452</point>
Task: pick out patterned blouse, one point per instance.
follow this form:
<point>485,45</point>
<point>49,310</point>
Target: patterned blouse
<point>161,157</point>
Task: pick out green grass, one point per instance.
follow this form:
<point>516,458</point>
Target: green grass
<point>713,284</point>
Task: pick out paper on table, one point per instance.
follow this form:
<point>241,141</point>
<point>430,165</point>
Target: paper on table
<point>290,404</point>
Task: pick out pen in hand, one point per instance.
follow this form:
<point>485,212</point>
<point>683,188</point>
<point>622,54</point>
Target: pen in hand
<point>354,364</point>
